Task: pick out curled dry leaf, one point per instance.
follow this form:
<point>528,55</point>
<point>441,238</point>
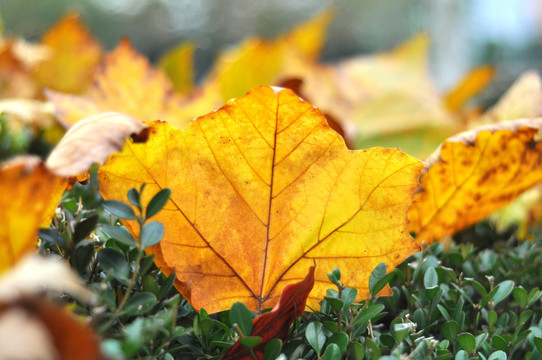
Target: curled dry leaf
<point>91,141</point>
<point>30,194</point>
<point>475,173</point>
<point>36,329</point>
<point>277,322</point>
<point>263,189</point>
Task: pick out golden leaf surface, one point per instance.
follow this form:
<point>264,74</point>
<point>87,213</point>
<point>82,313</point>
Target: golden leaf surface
<point>30,194</point>
<point>262,189</point>
<point>125,82</point>
<point>471,85</point>
<point>473,174</point>
<point>74,53</point>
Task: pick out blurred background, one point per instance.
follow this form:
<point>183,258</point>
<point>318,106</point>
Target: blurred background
<point>464,34</point>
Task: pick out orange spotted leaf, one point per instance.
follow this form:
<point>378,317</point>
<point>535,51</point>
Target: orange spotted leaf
<point>261,190</point>
<point>277,322</point>
<point>474,174</point>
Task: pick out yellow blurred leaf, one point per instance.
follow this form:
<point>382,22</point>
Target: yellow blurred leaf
<point>16,77</point>
<point>74,55</point>
<point>471,85</point>
<point>30,194</point>
<point>90,141</point>
<point>263,62</point>
<point>381,96</point>
<point>178,65</point>
<point>127,83</point>
<point>473,174</point>
<point>522,100</point>
<point>262,190</point>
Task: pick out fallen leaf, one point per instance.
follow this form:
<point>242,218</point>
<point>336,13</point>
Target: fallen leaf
<point>90,141</point>
<point>263,189</point>
<point>35,275</point>
<point>277,322</point>
<point>16,77</point>
<point>74,54</point>
<point>35,113</point>
<point>473,174</point>
<point>523,100</point>
<point>257,61</point>
<point>37,329</point>
<point>125,82</point>
<point>178,65</point>
<point>30,194</point>
<point>471,85</point>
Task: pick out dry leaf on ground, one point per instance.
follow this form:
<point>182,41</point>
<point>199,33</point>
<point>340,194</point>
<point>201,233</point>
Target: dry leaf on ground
<point>277,322</point>
<point>474,174</point>
<point>263,189</point>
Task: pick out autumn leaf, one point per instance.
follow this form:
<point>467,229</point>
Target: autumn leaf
<point>30,196</point>
<point>261,190</point>
<point>178,65</point>
<point>471,85</point>
<point>16,77</point>
<point>34,328</point>
<point>277,322</point>
<point>74,54</point>
<point>257,61</point>
<point>125,82</point>
<point>92,140</point>
<point>523,100</point>
<point>473,174</point>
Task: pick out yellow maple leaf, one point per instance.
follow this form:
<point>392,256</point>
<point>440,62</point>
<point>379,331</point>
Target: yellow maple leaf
<point>74,54</point>
<point>474,174</point>
<point>30,196</point>
<point>262,190</point>
<point>127,83</point>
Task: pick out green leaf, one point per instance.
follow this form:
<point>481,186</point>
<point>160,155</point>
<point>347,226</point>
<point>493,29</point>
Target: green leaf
<point>315,336</point>
<point>272,349</point>
<point>499,343</point>
<point>368,313</point>
<point>378,273</point>
<point>140,303</point>
<point>430,278</point>
<point>538,343</point>
<point>498,355</point>
<point>467,342</point>
<point>356,350</point>
<point>340,339</point>
<point>462,355</point>
<point>450,329</point>
<point>401,330</point>
<point>250,341</point>
<point>157,202</point>
<point>134,197</point>
<point>167,286</point>
<point>332,352</point>
<point>113,261</point>
<point>84,228</point>
<point>119,209</point>
<point>151,234</point>
<point>242,316</point>
<point>534,295</point>
<point>348,296</point>
<point>520,296</point>
<point>480,340</point>
<point>336,304</point>
<point>504,289</point>
<point>492,318</point>
<point>334,276</point>
<point>51,236</point>
<point>120,234</point>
